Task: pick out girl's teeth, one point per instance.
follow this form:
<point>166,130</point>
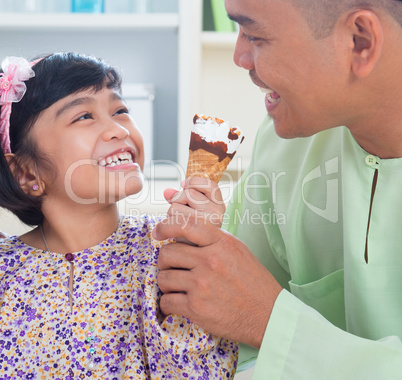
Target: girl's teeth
<point>116,160</point>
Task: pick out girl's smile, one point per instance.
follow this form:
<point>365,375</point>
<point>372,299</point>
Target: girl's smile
<point>119,160</point>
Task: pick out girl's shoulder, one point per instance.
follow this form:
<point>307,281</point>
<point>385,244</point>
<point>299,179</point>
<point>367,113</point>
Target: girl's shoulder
<point>11,245</point>
<point>13,251</point>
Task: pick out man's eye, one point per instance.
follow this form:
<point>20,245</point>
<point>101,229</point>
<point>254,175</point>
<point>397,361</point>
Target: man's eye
<point>250,38</point>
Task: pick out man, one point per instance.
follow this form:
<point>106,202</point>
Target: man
<point>320,205</point>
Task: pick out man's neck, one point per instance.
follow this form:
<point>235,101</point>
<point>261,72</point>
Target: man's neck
<point>378,128</point>
<point>380,140</point>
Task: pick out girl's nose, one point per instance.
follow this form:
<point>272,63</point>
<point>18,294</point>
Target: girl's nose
<point>115,131</point>
<point>243,56</point>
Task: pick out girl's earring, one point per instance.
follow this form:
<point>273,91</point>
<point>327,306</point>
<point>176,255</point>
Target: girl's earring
<point>35,187</point>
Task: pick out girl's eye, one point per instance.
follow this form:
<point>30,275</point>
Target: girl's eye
<point>87,116</point>
<point>122,111</point>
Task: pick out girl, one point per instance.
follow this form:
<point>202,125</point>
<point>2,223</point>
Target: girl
<point>78,293</point>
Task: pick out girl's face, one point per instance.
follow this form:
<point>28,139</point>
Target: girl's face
<point>95,148</point>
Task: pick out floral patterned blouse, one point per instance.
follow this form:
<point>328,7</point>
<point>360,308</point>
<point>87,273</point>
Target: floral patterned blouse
<point>41,337</point>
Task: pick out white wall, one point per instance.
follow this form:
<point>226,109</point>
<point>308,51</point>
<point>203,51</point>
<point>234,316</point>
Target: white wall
<point>141,56</point>
<point>228,93</point>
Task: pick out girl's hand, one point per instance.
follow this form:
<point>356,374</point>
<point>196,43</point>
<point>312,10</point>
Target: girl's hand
<point>200,199</point>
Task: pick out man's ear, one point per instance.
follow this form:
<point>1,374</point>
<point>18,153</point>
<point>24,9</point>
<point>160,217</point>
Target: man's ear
<point>24,174</point>
<point>368,38</point>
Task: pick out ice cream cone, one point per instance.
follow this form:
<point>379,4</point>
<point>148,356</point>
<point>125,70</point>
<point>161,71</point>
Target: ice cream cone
<point>212,146</point>
<point>205,164</point>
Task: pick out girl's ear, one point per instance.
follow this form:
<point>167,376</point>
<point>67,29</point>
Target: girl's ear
<point>24,174</point>
<point>366,30</point>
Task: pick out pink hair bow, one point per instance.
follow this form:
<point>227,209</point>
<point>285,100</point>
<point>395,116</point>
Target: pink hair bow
<point>16,71</point>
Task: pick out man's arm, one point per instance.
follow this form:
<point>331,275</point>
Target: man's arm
<point>300,344</point>
<point>218,284</point>
<point>209,280</point>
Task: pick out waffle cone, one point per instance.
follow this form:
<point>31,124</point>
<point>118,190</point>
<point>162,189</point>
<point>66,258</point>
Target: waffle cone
<point>205,164</point>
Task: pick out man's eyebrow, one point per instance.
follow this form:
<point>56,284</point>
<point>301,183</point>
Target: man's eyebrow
<point>73,103</point>
<point>243,20</point>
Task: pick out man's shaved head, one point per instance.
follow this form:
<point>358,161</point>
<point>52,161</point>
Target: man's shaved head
<point>322,15</point>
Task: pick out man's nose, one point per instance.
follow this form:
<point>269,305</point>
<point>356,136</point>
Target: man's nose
<point>243,56</point>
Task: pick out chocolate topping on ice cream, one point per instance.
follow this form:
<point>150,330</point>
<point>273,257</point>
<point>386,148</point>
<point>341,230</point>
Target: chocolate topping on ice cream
<point>213,144</point>
<point>219,148</point>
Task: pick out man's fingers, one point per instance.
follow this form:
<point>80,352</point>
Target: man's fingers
<point>174,280</point>
<point>176,255</point>
<point>196,190</point>
<point>190,227</point>
<point>174,303</point>
<point>206,186</point>
<point>182,212</point>
<point>190,197</point>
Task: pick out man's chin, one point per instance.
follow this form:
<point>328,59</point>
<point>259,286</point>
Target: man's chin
<point>287,131</point>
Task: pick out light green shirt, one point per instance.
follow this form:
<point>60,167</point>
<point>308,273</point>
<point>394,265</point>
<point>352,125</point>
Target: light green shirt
<point>302,207</point>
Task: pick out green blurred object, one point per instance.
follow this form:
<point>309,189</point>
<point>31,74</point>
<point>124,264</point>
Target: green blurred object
<point>220,17</point>
<point>207,17</point>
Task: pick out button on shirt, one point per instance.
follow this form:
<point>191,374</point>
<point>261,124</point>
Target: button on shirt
<point>371,160</point>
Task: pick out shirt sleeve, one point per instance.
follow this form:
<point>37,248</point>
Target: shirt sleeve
<point>300,343</point>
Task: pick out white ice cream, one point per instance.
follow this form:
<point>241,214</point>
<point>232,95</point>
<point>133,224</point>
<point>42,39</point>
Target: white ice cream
<point>210,131</point>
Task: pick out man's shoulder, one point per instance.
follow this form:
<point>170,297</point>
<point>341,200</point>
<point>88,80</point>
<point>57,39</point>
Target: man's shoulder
<point>272,151</point>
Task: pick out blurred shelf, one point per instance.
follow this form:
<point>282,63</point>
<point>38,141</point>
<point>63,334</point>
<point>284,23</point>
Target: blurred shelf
<point>217,40</point>
<point>89,21</point>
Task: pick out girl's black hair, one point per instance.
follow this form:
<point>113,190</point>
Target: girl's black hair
<point>56,76</point>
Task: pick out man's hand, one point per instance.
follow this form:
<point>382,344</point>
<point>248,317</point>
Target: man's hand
<point>218,284</point>
<point>200,197</point>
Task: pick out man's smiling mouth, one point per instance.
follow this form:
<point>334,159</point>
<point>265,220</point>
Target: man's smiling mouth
<point>272,96</point>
